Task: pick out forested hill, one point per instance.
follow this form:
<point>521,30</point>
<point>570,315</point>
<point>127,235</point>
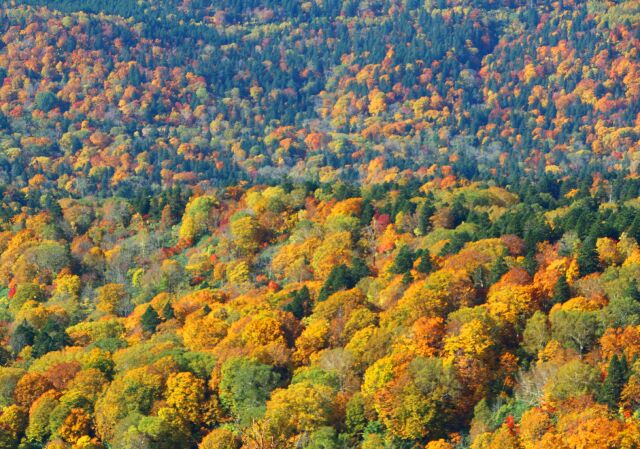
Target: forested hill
<point>263,224</point>
<point>120,96</point>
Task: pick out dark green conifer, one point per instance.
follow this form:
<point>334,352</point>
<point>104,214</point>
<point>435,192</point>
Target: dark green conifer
<point>149,320</point>
<point>22,336</point>
<point>561,291</point>
<point>425,265</point>
<point>614,383</point>
<point>300,305</point>
<point>425,211</point>
<point>403,261</point>
<point>530,263</point>
<point>167,312</point>
<point>51,337</point>
<point>588,257</point>
<point>498,269</point>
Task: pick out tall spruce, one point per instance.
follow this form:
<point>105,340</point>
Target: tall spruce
<point>588,257</point>
<point>425,265</point>
<point>614,382</point>
<point>403,261</point>
<point>498,269</point>
<point>425,212</point>
<point>561,291</point>
<point>150,320</point>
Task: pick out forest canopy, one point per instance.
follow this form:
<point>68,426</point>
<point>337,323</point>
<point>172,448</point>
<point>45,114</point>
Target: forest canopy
<point>260,224</point>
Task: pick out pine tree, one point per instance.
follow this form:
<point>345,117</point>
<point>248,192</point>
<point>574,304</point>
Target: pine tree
<point>403,261</point>
<point>615,381</point>
<point>359,269</point>
<point>368,211</point>
<point>459,212</point>
<point>22,336</point>
<point>149,320</point>
<point>343,276</point>
<point>498,269</point>
<point>300,305</point>
<point>167,312</point>
<point>634,228</point>
<point>588,257</point>
<point>425,265</point>
<point>340,277</point>
<point>561,291</point>
<point>4,122</point>
<point>530,263</point>
<point>425,211</point>
<point>536,230</point>
<point>51,337</point>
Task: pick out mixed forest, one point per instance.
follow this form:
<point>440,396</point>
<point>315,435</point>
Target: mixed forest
<point>323,224</point>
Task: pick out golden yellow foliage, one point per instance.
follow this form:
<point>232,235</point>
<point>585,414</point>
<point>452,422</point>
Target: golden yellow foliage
<point>203,332</point>
<point>312,339</point>
<point>185,393</point>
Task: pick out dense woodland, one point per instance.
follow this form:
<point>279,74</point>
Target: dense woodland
<point>325,224</point>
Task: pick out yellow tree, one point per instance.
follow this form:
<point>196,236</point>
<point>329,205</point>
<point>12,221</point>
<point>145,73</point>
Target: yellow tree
<point>220,438</point>
<point>112,298</point>
<point>313,338</point>
<point>76,425</point>
<point>421,396</point>
<point>247,234</point>
<point>203,332</point>
<point>185,393</point>
<point>442,292</point>
<point>510,303</point>
<point>302,407</point>
<point>199,214</point>
<point>334,250</point>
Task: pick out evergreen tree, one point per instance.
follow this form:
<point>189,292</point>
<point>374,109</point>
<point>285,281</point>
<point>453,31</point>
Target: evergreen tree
<point>455,243</point>
<point>483,223</point>
<point>588,257</point>
<point>403,261</point>
<point>343,276</point>
<point>425,211</point>
<point>634,228</point>
<point>300,305</point>
<point>150,320</point>
<point>536,230</point>
<point>561,291</point>
<point>51,337</point>
<point>22,336</point>
<point>167,312</point>
<point>425,265</point>
<point>339,278</point>
<point>459,212</point>
<point>530,263</point>
<point>359,269</point>
<point>368,211</point>
<point>45,101</point>
<point>4,122</point>
<point>5,355</point>
<point>614,383</point>
<point>498,269</point>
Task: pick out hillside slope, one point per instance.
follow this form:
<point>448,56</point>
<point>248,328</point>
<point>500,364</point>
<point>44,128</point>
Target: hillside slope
<point>260,224</point>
